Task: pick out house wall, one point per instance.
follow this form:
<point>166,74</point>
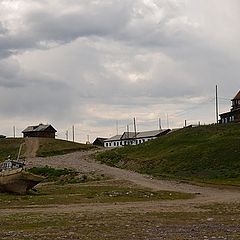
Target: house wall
<point>40,134</point>
<point>120,143</point>
<point>230,117</point>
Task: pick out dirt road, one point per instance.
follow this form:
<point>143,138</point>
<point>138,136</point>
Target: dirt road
<point>83,162</point>
<point>32,145</point>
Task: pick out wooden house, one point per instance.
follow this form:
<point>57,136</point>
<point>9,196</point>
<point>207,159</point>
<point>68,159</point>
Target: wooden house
<point>99,141</point>
<point>234,114</point>
<point>41,130</point>
<point>132,138</point>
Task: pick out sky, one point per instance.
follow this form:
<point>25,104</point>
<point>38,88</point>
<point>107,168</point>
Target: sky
<point>97,64</point>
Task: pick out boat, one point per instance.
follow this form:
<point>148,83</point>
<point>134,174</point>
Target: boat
<point>14,178</point>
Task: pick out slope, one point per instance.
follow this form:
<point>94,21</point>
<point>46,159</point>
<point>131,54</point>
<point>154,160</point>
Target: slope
<point>206,153</point>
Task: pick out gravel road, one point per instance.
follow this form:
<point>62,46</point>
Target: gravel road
<point>83,162</point>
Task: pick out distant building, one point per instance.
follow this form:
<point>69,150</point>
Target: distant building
<point>2,136</point>
<point>99,141</point>
<point>130,138</point>
<point>234,114</point>
<point>41,130</point>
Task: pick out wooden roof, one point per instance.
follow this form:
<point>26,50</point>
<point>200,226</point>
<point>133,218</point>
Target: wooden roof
<point>40,128</point>
<point>237,97</point>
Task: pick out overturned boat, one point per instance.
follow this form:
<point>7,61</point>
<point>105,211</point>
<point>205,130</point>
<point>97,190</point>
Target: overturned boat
<point>15,179</point>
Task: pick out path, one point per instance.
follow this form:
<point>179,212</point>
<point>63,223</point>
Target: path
<point>32,145</point>
<point>83,162</point>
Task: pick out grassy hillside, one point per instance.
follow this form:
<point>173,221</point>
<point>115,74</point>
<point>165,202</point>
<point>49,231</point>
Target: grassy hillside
<point>47,147</point>
<point>206,153</point>
<point>52,147</point>
<point>10,146</point>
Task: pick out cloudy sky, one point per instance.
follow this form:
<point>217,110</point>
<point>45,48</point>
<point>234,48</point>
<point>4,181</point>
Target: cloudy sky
<point>94,62</point>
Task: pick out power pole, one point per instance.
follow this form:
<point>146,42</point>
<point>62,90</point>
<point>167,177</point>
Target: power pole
<point>67,135</point>
<point>14,131</point>
<point>117,126</point>
<point>128,131</point>
<point>135,127</point>
<point>160,124</point>
<point>73,133</point>
<point>216,104</point>
<point>167,121</point>
<point>185,123</point>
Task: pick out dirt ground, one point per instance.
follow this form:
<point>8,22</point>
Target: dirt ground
<point>32,145</point>
<point>177,219</point>
<point>83,162</point>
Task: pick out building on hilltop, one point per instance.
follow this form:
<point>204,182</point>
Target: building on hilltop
<point>99,141</point>
<point>41,130</point>
<point>234,114</point>
<point>132,138</point>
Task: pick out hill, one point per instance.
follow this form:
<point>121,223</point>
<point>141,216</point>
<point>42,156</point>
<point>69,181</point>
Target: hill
<point>10,146</point>
<point>206,153</point>
<point>46,147</point>
<point>52,147</point>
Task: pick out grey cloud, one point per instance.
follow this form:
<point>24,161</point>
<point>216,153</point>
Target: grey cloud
<point>95,20</point>
<point>121,57</point>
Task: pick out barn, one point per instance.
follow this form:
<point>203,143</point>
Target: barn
<point>41,130</point>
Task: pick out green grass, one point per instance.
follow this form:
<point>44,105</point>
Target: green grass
<point>206,153</point>
<point>10,146</point>
<point>51,147</point>
<point>65,175</point>
<point>53,174</point>
<point>51,193</point>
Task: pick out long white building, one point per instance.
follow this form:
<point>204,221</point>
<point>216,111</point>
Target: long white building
<point>132,138</point>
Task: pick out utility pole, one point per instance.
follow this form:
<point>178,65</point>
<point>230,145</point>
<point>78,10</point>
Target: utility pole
<point>67,135</point>
<point>117,126</point>
<point>73,133</point>
<point>135,127</point>
<point>160,124</point>
<point>216,104</point>
<point>128,131</point>
<point>167,121</point>
<point>185,123</point>
<point>14,131</point>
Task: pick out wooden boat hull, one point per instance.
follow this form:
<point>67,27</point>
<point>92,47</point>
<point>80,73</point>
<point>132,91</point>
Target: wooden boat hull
<point>18,181</point>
